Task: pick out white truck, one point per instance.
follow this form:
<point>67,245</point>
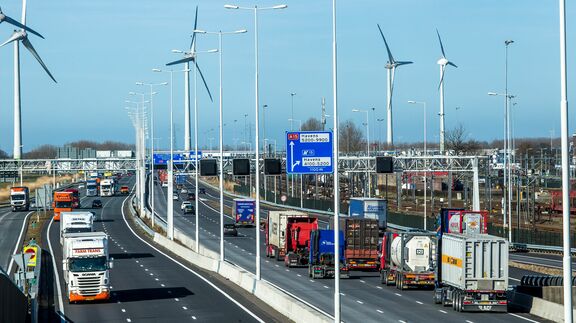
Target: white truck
<point>473,274</point>
<point>107,187</point>
<point>20,198</point>
<point>86,266</point>
<point>75,222</point>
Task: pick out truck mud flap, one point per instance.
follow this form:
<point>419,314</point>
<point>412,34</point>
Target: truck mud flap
<point>485,308</point>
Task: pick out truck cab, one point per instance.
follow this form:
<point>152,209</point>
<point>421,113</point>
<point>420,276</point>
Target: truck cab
<point>62,203</point>
<point>107,187</point>
<point>86,266</point>
<point>19,198</point>
<point>323,255</point>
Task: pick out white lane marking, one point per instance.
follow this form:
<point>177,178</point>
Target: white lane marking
<point>362,281</point>
<point>177,300</point>
<point>184,307</point>
<point>359,302</point>
<point>401,321</point>
<point>311,280</point>
<point>468,321</point>
<point>156,279</point>
<point>128,320</point>
<point>419,302</point>
<point>18,242</point>
<point>190,270</point>
<point>379,287</point>
<point>443,311</point>
<point>514,279</point>
<point>298,275</point>
<point>342,294</point>
<point>123,310</point>
<point>379,311</point>
<point>193,317</point>
<point>162,285</point>
<point>287,269</point>
<point>398,294</point>
<point>277,265</point>
<point>326,286</point>
<point>524,318</point>
<point>55,269</point>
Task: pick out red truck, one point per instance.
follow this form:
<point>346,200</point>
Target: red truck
<point>288,236</point>
<point>362,237</point>
<point>75,197</point>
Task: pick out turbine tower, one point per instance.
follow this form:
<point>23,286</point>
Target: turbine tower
<point>391,69</point>
<point>17,37</point>
<point>443,61</point>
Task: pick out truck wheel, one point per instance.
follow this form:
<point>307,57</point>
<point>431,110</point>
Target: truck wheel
<point>454,300</point>
<point>460,302</point>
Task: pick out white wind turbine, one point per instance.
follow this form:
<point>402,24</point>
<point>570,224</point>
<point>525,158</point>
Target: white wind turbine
<point>443,61</point>
<point>17,37</point>
<point>391,69</point>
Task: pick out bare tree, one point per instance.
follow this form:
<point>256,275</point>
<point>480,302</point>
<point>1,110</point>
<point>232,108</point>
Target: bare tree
<point>351,138</point>
<point>457,140</point>
<point>42,152</point>
<point>3,154</point>
<point>312,124</point>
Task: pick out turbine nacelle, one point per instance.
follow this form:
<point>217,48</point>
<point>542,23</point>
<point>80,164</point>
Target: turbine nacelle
<point>443,61</point>
<point>17,35</point>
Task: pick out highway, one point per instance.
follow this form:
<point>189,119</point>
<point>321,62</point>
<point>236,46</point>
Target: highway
<point>12,231</point>
<point>363,297</point>
<point>148,284</point>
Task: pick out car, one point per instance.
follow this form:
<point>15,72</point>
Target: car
<point>230,230</point>
<point>124,190</point>
<point>189,209</point>
<point>201,190</point>
<point>184,204</point>
<point>184,190</point>
<point>96,204</point>
<point>191,196</point>
<point>175,197</point>
<point>165,184</point>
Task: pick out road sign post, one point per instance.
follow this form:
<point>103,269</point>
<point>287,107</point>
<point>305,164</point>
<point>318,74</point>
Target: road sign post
<point>309,152</point>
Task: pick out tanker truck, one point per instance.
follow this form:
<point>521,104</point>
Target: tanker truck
<point>408,259</point>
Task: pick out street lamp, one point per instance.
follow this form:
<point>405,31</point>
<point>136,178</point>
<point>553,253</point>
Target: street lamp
<point>152,186</point>
<point>367,149</point>
<point>425,161</point>
<point>297,120</point>
<point>255,9</point>
<point>380,131</point>
<point>220,33</point>
<point>140,152</point>
<point>292,115</point>
<point>507,169</point>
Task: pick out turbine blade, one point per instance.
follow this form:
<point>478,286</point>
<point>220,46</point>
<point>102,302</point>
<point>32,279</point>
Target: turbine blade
<point>441,46</point>
<point>452,64</point>
<point>30,48</point>
<point>404,63</point>
<point>19,25</point>
<point>12,38</point>
<point>204,80</point>
<point>192,43</point>
<point>441,77</point>
<point>180,61</point>
<point>390,58</point>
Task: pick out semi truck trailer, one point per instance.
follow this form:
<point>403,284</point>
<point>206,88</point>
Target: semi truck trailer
<point>243,212</point>
<point>361,242</point>
<point>370,208</point>
<point>75,222</point>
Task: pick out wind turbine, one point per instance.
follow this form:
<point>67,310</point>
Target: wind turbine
<point>190,56</point>
<point>17,37</point>
<point>391,69</point>
<point>443,61</point>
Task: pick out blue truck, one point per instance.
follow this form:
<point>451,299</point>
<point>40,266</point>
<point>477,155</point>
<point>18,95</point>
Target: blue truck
<point>243,212</point>
<point>370,208</point>
<point>321,261</point>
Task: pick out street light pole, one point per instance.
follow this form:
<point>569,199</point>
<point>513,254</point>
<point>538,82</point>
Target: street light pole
<point>336,177</point>
<point>257,110</point>
<point>221,141</point>
<point>425,162</point>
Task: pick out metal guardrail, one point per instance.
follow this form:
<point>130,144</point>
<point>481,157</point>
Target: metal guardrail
<point>534,247</point>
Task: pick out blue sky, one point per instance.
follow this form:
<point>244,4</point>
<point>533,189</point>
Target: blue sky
<point>97,50</point>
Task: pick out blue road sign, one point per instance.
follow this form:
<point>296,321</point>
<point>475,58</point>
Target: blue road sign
<point>179,157</point>
<point>309,152</point>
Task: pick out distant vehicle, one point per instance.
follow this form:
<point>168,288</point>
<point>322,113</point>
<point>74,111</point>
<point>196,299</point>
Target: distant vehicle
<point>184,190</point>
<point>86,266</point>
<point>184,204</point>
<point>75,197</point>
<point>175,197</point>
<point>288,236</point>
<point>201,190</point>
<point>93,187</point>
<point>75,222</point>
<point>165,184</point>
<point>107,187</point>
<point>370,208</point>
<point>243,211</point>
<point>125,190</point>
<point>96,204</point>
<point>191,196</point>
<point>322,253</point>
<point>230,230</point>
<point>62,203</point>
<point>189,209</point>
<point>20,198</point>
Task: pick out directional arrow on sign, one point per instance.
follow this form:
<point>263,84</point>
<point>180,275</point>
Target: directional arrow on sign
<point>292,156</point>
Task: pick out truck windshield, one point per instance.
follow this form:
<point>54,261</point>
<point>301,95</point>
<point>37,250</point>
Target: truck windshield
<point>106,187</point>
<point>62,204</point>
<point>18,197</point>
<point>91,186</point>
<point>87,264</point>
<point>77,230</point>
